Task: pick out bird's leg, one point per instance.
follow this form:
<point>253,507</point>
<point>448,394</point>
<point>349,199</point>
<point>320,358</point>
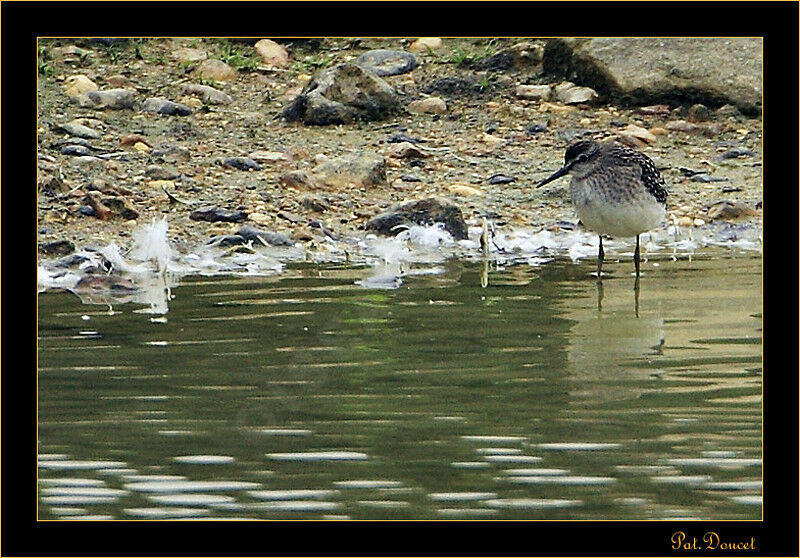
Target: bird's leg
<point>600,256</point>
<point>636,296</point>
<point>636,256</point>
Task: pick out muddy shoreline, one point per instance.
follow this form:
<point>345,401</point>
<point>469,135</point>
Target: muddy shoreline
<point>710,159</point>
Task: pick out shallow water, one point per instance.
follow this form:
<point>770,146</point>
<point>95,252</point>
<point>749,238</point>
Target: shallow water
<point>306,395</point>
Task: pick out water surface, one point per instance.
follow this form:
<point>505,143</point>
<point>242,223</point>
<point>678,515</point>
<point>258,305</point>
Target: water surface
<point>308,396</point>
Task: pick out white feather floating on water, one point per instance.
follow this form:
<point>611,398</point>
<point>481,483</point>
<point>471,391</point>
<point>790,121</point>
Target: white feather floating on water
<point>151,243</point>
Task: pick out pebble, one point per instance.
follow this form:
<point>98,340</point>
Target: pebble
<point>75,150</point>
<point>423,44</point>
<point>639,133</point>
<point>727,210</point>
<point>241,163</point>
<point>207,94</point>
<point>384,62</point>
<point>272,53</point>
<point>698,113</point>
<point>78,84</point>
<point>216,70</point>
<point>78,130</point>
<point>215,214</point>
<point>463,190</point>
<point>189,54</point>
<point>112,99</point>
<point>160,105</point>
<point>269,157</point>
<point>406,150</point>
<point>501,179</point>
<point>571,94</point>
<point>429,105</point>
<point>541,92</point>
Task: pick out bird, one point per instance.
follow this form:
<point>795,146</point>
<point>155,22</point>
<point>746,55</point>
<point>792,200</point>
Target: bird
<point>615,190</point>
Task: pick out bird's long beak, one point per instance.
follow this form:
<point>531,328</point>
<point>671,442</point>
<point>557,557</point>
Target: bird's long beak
<point>558,174</point>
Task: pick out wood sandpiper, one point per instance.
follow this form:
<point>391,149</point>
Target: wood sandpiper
<point>615,191</point>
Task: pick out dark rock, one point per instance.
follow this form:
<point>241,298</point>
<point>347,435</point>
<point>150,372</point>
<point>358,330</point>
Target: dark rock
<point>257,235</point>
<point>160,105</point>
<point>215,214</point>
<point>704,177</point>
<point>226,240</point>
<point>75,150</point>
<point>421,212</point>
<point>241,163</point>
<point>401,138</point>
<point>536,128</point>
<point>57,248</point>
<point>410,178</point>
<point>342,94</point>
<point>734,153</point>
<point>641,71</point>
<point>453,86</point>
<point>501,179</point>
<point>387,62</point>
<point>86,210</point>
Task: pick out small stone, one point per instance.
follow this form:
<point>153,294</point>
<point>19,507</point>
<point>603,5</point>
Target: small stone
<point>241,163</point>
<point>78,84</point>
<point>162,184</point>
<point>698,222</point>
<point>272,53</point>
<point>463,190</point>
<point>113,99</point>
<point>315,204</point>
<point>540,92</point>
<point>384,62</point>
<point>639,133</point>
<point>683,126</point>
<point>429,105</point>
<point>407,150</point>
<point>257,236</point>
<point>216,70</point>
<point>189,55</point>
<point>571,94</point>
<point>172,153</point>
<point>141,147</point>
<point>660,110</point>
<point>160,105</point>
<point>299,180</point>
<point>75,150</point>
<point>500,178</point>
<point>365,169</point>
<point>269,157</point>
<point>423,44</point>
<point>215,214</point>
<point>78,130</point>
<point>685,221</point>
<point>207,94</point>
<point>729,210</point>
<point>698,113</point>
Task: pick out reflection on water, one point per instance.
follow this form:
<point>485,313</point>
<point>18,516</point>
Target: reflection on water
<point>309,396</point>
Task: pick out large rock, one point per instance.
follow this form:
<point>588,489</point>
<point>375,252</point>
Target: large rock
<point>420,212</point>
<point>652,70</point>
<point>342,94</point>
